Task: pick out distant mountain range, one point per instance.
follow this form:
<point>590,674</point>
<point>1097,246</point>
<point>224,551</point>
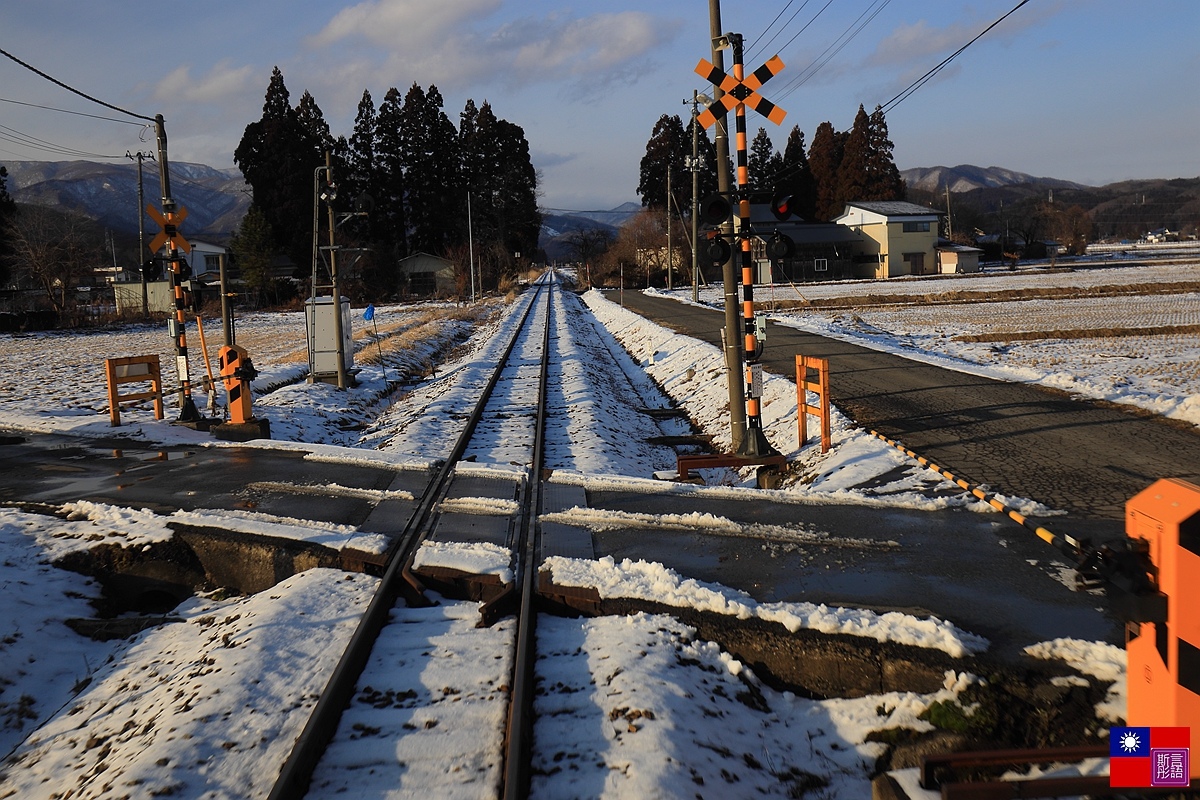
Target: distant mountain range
<point>966,178</point>
<point>216,200</point>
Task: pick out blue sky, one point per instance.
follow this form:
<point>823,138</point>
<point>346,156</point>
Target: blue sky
<point>1087,90</point>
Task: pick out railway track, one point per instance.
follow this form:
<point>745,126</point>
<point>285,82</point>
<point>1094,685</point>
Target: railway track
<point>513,403</point>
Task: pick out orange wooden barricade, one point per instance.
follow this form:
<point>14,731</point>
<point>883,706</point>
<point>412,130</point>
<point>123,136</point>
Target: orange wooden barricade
<point>130,370</point>
<point>821,387</point>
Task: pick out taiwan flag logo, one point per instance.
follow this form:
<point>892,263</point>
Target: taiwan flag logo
<point>1149,757</point>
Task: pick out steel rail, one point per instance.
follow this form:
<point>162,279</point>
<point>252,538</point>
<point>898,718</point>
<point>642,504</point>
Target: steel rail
<point>297,770</point>
<point>519,732</point>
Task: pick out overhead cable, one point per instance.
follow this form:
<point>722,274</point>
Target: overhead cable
<point>917,84</point>
<point>72,89</point>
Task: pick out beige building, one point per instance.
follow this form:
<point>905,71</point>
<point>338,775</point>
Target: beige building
<point>898,238</point>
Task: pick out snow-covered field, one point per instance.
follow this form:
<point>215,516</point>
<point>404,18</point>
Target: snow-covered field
<point>200,708</point>
<point>1100,346</point>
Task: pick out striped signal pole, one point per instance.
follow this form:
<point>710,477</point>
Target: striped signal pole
<point>741,91</point>
<point>170,218</point>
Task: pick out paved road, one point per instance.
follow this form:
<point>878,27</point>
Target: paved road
<point>1080,457</point>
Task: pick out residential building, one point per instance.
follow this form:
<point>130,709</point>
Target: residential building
<point>897,238</point>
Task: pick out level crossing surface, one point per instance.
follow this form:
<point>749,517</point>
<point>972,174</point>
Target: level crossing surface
<point>1072,455</point>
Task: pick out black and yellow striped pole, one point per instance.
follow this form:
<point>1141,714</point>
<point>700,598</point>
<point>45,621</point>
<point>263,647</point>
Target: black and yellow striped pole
<point>741,91</point>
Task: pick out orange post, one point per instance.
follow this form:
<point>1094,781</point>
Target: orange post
<point>236,374</point>
<point>132,369</point>
<point>821,387</point>
<point>1163,669</point>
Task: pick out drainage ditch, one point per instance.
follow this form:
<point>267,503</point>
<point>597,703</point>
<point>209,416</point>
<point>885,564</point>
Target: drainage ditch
<point>1035,704</point>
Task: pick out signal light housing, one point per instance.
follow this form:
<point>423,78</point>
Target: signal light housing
<point>782,207</point>
<point>715,210</point>
<point>719,250</point>
<point>780,246</point>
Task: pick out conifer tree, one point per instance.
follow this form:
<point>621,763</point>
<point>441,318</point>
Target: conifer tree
<point>824,157</point>
<point>852,173</point>
<point>277,156</point>
<point>429,151</point>
<point>668,146</point>
<point>762,149</point>
<point>8,210</point>
<point>797,176</point>
<point>389,179</point>
<point>883,178</point>
<point>517,217</point>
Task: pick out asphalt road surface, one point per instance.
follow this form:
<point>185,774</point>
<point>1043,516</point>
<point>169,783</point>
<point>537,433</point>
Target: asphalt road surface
<point>1077,456</point>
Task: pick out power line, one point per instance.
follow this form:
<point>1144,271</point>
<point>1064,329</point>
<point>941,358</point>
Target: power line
<point>758,48</point>
<point>25,140</point>
<point>917,84</point>
<point>73,90</point>
<point>851,32</point>
<point>66,111</point>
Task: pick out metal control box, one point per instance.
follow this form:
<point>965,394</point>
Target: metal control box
<point>322,337</point>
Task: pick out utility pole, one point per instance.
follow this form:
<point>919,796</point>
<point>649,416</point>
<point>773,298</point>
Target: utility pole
<point>670,255</point>
<point>471,248</point>
<point>949,219</point>
<point>733,329</point>
<point>695,168</point>
<point>140,157</point>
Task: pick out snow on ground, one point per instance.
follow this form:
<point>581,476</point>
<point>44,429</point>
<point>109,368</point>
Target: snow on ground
<point>202,707</point>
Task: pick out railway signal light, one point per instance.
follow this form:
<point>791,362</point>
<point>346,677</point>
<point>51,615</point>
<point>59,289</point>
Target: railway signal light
<point>780,246</point>
<point>151,269</point>
<point>716,210</point>
<point>719,250</point>
<point>782,207</point>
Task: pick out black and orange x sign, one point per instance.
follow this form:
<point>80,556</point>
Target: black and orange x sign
<point>169,234</point>
<point>743,92</point>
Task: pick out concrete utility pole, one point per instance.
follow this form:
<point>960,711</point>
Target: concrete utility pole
<point>670,255</point>
<point>733,323</point>
<point>140,157</point>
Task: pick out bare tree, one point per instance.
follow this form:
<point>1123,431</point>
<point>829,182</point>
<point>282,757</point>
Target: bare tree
<point>54,251</point>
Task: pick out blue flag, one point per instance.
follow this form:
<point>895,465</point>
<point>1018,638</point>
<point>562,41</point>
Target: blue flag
<point>369,313</point>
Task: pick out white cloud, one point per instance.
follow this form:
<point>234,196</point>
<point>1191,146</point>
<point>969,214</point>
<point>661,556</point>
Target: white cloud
<point>222,82</point>
<point>456,44</point>
<point>398,23</point>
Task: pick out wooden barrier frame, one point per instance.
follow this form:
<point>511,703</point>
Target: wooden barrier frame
<point>133,369</point>
<point>821,387</point>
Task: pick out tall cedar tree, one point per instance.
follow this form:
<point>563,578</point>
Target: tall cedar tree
<point>254,250</point>
<point>377,262</point>
<point>518,220</point>
<point>797,179</point>
<point>429,149</point>
<point>389,213</point>
<point>883,178</point>
<point>654,171</point>
<point>668,146</point>
<point>8,210</point>
<point>499,175</point>
<point>481,160</point>
<point>759,161</point>
<point>824,156</point>
<point>852,173</point>
<point>277,156</point>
